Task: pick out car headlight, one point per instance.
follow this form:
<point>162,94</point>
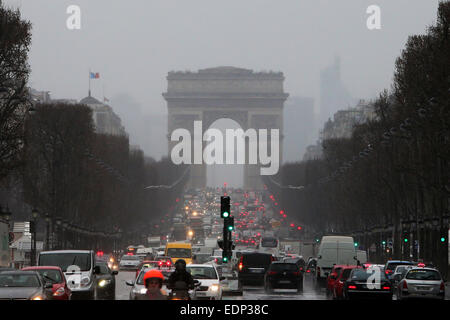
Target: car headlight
<point>214,288</point>
<point>143,291</point>
<point>104,282</point>
<point>38,297</point>
<point>85,281</point>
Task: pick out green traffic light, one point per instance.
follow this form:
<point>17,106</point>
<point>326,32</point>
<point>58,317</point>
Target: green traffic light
<point>406,239</point>
<point>384,242</point>
<point>230,228</point>
<point>442,239</point>
<point>356,244</point>
<point>224,259</point>
<point>226,214</point>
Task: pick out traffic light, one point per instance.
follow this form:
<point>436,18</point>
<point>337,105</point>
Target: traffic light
<point>383,242</point>
<point>229,224</point>
<point>356,244</point>
<point>405,237</point>
<point>224,207</point>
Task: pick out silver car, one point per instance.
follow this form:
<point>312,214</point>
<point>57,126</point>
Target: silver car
<point>421,283</point>
<point>399,273</point>
<point>129,262</point>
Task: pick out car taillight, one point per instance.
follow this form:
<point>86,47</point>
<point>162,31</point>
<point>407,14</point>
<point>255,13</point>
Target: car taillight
<point>271,273</point>
<point>240,266</point>
<point>308,271</point>
<point>318,271</point>
<point>297,273</point>
<point>168,263</point>
<point>160,263</point>
<point>386,288</point>
<point>442,288</point>
<point>352,287</point>
<point>405,285</point>
<point>301,268</point>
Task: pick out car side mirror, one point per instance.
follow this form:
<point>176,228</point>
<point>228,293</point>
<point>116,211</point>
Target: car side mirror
<point>115,272</point>
<point>130,283</point>
<point>96,270</point>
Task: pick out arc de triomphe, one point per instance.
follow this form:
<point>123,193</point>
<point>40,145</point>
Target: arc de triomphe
<point>252,99</point>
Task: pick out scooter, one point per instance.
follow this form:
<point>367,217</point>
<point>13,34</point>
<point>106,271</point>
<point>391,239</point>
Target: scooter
<point>181,291</point>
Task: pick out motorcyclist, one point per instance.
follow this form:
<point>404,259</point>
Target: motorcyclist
<point>153,280</point>
<point>180,279</point>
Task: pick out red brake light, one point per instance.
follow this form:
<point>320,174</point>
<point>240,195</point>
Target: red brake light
<point>160,263</point>
<point>352,287</point>
<point>442,288</point>
<point>129,253</point>
<point>308,271</point>
<point>168,263</point>
<point>271,273</point>
<point>405,285</point>
<point>386,288</point>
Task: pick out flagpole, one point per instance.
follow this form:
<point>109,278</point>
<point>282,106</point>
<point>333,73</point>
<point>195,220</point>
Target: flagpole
<point>89,82</point>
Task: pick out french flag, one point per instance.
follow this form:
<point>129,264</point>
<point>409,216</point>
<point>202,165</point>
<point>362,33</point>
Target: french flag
<point>94,75</point>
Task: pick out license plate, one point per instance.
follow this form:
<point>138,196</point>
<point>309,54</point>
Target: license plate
<point>256,270</point>
<point>284,281</point>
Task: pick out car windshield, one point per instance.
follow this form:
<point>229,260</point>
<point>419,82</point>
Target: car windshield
<point>256,260</point>
<point>393,265</point>
<point>362,275</point>
<point>140,279</point>
<point>202,272</point>
<point>49,275</point>
<point>202,258</point>
<point>423,275</point>
<point>281,267</point>
<point>103,268</point>
<point>179,252</point>
<point>269,242</point>
<point>64,260</point>
<point>19,280</point>
<point>131,258</point>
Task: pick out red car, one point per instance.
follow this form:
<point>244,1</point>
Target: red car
<point>56,277</point>
<point>331,279</point>
<point>338,290</point>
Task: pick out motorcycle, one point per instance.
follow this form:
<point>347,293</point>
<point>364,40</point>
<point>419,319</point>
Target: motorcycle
<point>181,291</point>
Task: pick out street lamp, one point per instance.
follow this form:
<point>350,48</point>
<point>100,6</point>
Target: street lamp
<point>34,216</point>
<point>47,221</point>
<point>58,232</point>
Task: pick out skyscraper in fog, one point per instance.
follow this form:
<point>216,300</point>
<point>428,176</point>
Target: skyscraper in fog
<point>333,94</point>
<point>300,128</point>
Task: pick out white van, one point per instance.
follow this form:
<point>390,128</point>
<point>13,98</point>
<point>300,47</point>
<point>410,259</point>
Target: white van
<point>334,250</point>
<point>361,255</point>
<point>79,269</point>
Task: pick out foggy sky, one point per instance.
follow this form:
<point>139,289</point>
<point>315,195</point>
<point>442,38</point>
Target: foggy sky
<point>134,43</point>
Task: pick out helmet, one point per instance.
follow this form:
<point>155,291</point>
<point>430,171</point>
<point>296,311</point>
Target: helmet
<point>180,265</point>
<point>153,274</point>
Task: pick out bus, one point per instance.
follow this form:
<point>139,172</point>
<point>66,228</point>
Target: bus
<point>179,250</point>
<point>269,245</point>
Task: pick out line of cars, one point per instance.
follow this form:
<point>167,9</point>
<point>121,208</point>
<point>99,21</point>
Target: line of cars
<point>61,275</point>
<point>405,279</point>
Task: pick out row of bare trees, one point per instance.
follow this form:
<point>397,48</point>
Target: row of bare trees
<point>93,180</point>
<point>51,159</point>
<point>402,182</point>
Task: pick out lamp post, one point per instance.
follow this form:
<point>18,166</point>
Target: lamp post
<point>34,216</point>
<point>58,232</point>
<point>47,241</point>
<point>65,225</point>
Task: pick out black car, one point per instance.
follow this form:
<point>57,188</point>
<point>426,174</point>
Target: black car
<point>253,266</point>
<point>299,261</point>
<point>106,282</point>
<point>365,283</point>
<point>283,275</point>
<point>24,285</point>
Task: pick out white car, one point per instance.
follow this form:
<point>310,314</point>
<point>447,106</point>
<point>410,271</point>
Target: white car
<point>209,279</point>
<point>129,262</point>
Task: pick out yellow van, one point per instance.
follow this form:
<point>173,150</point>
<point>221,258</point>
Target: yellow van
<point>179,250</point>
